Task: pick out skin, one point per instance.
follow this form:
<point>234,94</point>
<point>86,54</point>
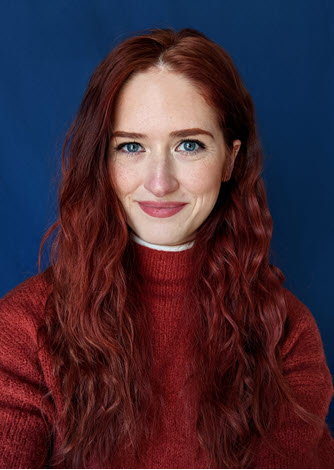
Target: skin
<point>164,168</point>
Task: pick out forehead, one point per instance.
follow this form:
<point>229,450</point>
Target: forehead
<point>158,101</point>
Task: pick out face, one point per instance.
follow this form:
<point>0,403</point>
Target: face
<point>167,164</point>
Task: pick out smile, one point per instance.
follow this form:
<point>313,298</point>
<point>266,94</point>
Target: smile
<point>161,211</point>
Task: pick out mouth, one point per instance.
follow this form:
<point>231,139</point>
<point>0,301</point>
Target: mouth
<point>161,210</point>
<point>160,205</point>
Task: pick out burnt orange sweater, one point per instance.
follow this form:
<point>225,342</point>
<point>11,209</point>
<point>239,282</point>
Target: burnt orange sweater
<point>25,376</point>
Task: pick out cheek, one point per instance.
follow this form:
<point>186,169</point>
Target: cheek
<point>123,178</point>
<point>205,181</point>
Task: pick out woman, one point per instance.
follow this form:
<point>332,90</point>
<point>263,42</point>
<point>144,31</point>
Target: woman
<point>160,336</point>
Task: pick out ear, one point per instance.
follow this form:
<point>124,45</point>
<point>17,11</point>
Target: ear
<point>229,162</point>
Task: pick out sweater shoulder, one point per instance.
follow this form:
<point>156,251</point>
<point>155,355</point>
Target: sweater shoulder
<point>303,335</point>
<point>25,303</point>
<point>299,315</point>
<point>297,310</point>
<point>306,372</point>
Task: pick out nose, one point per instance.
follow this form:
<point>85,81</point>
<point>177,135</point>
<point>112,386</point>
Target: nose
<point>161,178</point>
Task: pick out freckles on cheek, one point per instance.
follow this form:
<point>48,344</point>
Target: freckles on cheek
<point>125,183</point>
<point>118,176</point>
<point>203,182</point>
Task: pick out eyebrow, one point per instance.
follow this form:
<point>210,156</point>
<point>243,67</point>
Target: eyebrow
<point>179,133</point>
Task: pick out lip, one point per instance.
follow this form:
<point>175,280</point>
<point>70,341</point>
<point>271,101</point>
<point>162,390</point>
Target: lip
<point>161,209</point>
<point>161,204</point>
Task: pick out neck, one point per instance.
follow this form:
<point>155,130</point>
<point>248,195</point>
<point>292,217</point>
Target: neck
<point>184,246</point>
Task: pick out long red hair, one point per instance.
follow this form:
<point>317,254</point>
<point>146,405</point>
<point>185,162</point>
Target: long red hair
<point>95,326</point>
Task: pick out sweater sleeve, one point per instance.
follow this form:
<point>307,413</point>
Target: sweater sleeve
<point>24,430</point>
<point>306,371</point>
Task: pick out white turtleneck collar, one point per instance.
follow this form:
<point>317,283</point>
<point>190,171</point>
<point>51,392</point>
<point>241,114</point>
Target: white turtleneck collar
<point>182,247</point>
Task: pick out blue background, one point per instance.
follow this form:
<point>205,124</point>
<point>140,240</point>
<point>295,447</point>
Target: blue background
<point>284,53</point>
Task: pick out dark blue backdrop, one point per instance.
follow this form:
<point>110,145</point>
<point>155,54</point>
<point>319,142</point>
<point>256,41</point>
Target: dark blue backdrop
<point>284,52</point>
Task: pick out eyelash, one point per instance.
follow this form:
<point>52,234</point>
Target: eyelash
<point>192,152</point>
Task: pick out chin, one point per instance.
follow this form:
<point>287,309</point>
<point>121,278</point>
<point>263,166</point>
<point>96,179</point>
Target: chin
<point>158,239</point>
<point>165,240</point>
<point>162,241</point>
<point>160,235</point>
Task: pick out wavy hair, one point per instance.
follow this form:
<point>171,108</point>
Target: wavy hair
<point>95,326</point>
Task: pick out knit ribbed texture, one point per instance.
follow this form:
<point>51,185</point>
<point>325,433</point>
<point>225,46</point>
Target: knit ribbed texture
<point>167,278</point>
<point>26,375</point>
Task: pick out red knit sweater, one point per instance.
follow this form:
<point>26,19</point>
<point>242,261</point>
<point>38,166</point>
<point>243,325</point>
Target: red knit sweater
<point>25,376</point>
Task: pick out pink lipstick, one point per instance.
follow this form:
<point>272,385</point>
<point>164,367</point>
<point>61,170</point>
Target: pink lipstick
<point>161,209</point>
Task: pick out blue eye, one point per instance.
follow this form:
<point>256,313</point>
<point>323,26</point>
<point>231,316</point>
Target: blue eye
<point>128,143</point>
<point>190,148</point>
